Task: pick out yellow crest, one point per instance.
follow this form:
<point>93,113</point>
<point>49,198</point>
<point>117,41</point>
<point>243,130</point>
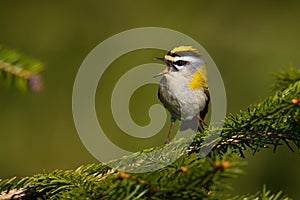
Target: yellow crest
<point>184,48</point>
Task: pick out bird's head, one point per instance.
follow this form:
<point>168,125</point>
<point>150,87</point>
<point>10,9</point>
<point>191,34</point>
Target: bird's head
<point>181,59</point>
<point>187,62</point>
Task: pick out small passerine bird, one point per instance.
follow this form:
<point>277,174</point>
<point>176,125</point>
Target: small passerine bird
<point>183,89</point>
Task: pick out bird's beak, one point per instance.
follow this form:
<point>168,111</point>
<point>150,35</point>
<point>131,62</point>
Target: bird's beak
<point>166,70</point>
<point>161,59</point>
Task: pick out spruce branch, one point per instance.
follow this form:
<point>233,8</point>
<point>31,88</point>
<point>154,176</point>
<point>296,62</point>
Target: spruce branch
<point>20,70</point>
<point>263,195</point>
<point>272,122</point>
<point>195,179</point>
<point>286,77</point>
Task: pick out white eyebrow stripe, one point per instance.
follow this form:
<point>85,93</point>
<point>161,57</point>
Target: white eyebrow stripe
<point>186,58</point>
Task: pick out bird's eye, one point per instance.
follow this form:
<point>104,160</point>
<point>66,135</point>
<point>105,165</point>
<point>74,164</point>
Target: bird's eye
<point>180,63</point>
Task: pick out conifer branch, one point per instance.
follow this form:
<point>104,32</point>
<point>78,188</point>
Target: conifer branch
<point>273,122</point>
<point>20,70</point>
<point>98,181</point>
<point>286,77</point>
<point>264,194</point>
<point>270,123</point>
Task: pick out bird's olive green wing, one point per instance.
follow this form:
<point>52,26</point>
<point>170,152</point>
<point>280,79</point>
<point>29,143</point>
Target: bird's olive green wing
<point>169,101</point>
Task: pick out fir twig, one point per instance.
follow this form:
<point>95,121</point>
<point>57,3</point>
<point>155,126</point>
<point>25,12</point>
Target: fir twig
<point>100,182</point>
<point>272,122</point>
<point>286,78</point>
<point>20,70</point>
<point>263,195</point>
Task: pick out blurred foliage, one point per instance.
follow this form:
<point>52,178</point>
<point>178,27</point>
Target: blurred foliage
<point>20,70</point>
<point>286,77</point>
<point>263,195</point>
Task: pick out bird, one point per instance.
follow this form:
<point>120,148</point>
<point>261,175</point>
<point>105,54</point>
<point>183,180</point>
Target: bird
<point>183,88</point>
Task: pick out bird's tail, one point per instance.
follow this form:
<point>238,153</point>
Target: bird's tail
<point>192,124</point>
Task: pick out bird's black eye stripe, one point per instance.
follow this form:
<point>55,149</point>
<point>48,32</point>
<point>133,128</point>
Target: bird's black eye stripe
<point>180,63</point>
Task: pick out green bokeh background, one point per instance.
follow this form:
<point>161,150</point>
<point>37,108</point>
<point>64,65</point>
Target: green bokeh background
<point>248,40</point>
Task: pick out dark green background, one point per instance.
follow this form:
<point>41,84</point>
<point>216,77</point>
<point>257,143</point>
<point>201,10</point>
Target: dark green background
<point>248,42</point>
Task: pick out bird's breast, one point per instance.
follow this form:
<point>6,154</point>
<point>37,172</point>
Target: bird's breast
<point>181,101</point>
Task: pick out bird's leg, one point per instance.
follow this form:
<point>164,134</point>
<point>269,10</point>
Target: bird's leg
<point>201,120</point>
<point>170,130</point>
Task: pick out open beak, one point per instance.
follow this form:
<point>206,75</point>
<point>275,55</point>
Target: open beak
<point>166,70</point>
